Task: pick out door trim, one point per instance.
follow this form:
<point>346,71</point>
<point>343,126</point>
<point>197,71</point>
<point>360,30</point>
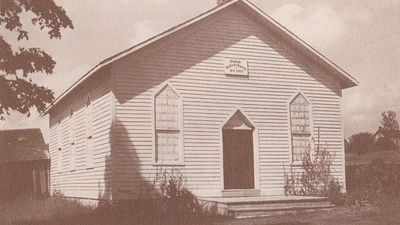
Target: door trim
<point>255,149</point>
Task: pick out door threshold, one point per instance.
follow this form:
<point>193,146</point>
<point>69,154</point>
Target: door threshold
<point>241,193</point>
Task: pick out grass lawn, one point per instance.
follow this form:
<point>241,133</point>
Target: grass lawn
<point>366,215</point>
<point>63,212</point>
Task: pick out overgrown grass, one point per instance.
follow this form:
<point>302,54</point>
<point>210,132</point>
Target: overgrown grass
<point>61,211</point>
<point>65,212</point>
<point>170,202</point>
<point>42,211</point>
<point>377,183</point>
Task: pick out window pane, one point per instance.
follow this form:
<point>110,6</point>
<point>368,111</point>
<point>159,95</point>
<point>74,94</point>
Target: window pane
<point>300,146</point>
<point>300,127</point>
<point>167,110</point>
<point>299,115</point>
<point>167,146</point>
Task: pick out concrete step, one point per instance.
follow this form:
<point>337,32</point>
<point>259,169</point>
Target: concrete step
<point>241,207</point>
<point>282,211</point>
<point>276,207</point>
<point>273,206</point>
<point>272,200</point>
<point>241,193</point>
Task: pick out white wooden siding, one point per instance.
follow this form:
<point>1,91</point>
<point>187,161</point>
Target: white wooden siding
<point>193,64</point>
<point>76,179</point>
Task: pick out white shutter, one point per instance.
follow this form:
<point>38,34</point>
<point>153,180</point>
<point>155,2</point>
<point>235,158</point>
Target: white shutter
<point>89,133</point>
<point>90,153</point>
<point>59,145</point>
<point>72,147</point>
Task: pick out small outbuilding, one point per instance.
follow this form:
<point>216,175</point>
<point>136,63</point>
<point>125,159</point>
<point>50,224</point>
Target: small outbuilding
<point>24,163</point>
<point>387,140</point>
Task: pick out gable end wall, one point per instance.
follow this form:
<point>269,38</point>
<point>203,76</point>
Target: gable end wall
<point>193,65</point>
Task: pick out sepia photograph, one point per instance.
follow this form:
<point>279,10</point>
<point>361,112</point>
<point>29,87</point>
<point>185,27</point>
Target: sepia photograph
<point>199,112</point>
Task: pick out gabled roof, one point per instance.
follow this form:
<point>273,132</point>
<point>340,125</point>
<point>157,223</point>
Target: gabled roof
<point>22,145</point>
<point>393,134</point>
<point>346,79</point>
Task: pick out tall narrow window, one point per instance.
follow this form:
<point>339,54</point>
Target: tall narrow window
<point>167,126</point>
<point>89,133</point>
<point>300,127</point>
<point>71,134</point>
<point>59,145</point>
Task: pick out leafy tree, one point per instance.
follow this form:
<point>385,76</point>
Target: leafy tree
<point>361,143</point>
<point>389,122</point>
<point>17,65</point>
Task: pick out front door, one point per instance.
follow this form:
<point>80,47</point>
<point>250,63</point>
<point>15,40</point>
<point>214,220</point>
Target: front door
<point>238,159</point>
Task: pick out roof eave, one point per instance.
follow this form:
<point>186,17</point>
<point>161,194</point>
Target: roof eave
<point>347,80</point>
<point>135,48</point>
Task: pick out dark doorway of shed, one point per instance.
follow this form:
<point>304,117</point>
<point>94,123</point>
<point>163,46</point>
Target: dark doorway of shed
<point>238,153</point>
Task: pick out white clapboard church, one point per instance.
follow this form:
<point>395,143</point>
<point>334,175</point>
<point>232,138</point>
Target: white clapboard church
<point>227,98</point>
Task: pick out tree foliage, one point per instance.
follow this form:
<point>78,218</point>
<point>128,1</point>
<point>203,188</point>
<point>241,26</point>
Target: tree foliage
<point>360,143</point>
<point>389,122</point>
<point>17,90</point>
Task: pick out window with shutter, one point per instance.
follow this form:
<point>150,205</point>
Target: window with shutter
<point>89,133</point>
<point>59,145</point>
<point>167,126</point>
<point>72,138</point>
<point>300,127</point>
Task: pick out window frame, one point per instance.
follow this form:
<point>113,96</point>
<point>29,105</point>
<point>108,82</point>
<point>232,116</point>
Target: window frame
<point>311,123</point>
<point>180,161</point>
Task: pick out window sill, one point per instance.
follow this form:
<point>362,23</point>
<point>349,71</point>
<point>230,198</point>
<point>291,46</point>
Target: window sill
<point>301,133</point>
<point>168,164</point>
<point>297,164</point>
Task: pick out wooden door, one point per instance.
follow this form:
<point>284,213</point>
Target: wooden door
<point>238,159</point>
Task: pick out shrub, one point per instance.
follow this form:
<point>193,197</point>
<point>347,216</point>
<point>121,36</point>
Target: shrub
<point>377,183</point>
<point>57,194</point>
<point>314,177</point>
<point>169,202</point>
<point>173,195</point>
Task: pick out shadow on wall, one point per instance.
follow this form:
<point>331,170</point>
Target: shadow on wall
<point>122,176</point>
<point>123,173</point>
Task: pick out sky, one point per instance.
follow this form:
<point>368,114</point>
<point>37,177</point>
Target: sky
<point>361,36</point>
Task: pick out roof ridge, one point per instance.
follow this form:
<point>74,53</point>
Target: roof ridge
<point>305,47</point>
<point>19,129</point>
